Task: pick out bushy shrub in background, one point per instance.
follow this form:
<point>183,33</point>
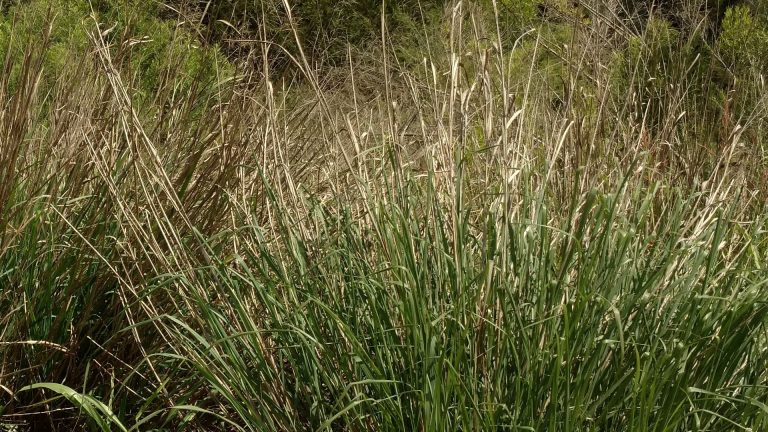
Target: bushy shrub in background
<point>326,28</point>
<point>743,47</point>
<point>706,71</point>
<point>649,68</point>
<point>143,43</point>
<point>515,16</point>
<point>26,21</point>
<point>743,41</point>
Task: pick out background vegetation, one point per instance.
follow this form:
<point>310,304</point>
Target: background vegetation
<point>491,215</point>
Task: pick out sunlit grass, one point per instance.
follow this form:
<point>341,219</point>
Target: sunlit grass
<point>450,254</point>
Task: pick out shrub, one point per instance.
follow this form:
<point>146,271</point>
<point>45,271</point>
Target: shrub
<point>647,68</point>
<point>151,45</point>
<point>743,41</point>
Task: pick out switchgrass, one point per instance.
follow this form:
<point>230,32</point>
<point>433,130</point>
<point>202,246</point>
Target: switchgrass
<point>453,253</point>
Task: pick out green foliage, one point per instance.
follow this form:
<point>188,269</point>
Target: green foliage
<point>649,67</point>
<point>326,28</point>
<point>329,25</point>
<point>29,21</point>
<point>162,47</point>
<point>515,16</point>
<point>152,45</point>
<point>671,70</point>
<point>743,41</point>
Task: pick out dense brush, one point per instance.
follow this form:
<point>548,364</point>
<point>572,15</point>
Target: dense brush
<point>453,252</point>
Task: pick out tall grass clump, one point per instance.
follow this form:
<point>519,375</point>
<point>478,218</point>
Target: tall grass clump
<point>501,235</point>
